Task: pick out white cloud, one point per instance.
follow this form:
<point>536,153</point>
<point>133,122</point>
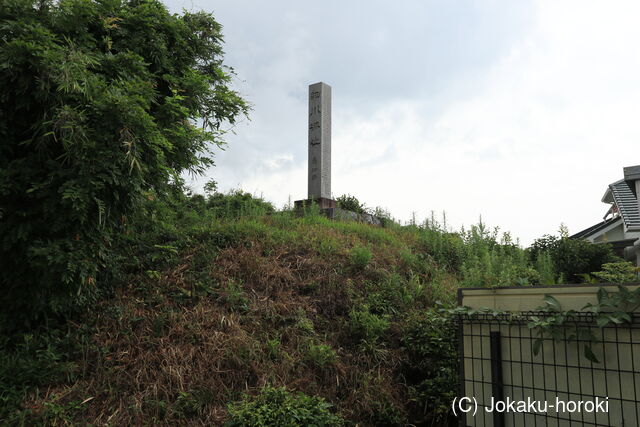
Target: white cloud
<point>528,142</point>
<point>552,124</point>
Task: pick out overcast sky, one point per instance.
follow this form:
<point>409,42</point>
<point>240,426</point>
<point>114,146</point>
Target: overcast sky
<point>520,112</point>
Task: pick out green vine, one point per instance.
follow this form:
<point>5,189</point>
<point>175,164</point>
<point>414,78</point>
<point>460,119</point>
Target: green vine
<point>611,308</point>
<point>463,309</point>
<point>554,325</point>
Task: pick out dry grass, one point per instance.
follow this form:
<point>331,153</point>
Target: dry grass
<point>162,353</point>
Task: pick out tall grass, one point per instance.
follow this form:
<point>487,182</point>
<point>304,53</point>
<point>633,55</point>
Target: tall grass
<point>478,255</point>
<point>217,296</point>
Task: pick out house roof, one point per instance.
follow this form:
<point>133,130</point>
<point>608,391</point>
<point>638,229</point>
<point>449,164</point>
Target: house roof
<point>595,228</point>
<point>627,203</point>
<point>620,195</point>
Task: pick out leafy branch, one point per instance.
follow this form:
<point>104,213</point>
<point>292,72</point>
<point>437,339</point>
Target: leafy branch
<point>611,308</point>
<point>559,324</point>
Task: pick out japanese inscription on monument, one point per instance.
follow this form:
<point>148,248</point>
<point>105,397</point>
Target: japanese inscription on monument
<point>319,141</point>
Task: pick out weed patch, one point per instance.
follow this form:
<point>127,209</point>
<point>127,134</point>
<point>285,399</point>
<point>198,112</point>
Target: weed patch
<point>360,257</point>
<point>278,407</point>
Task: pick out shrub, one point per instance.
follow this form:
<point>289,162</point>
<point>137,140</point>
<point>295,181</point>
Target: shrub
<point>305,325</point>
<point>386,414</point>
<point>236,204</point>
<point>546,269</point>
<point>447,249</point>
<point>360,257</point>
<point>273,347</point>
<point>526,276</point>
<point>279,407</point>
<point>193,403</point>
<point>431,369</point>
<point>393,293</point>
<point>367,326</point>
<point>617,272</point>
<point>572,258</point>
<point>328,245</point>
<point>350,203</point>
<point>235,297</point>
<point>542,245</point>
<point>494,261</point>
<point>30,360</point>
<point>319,354</point>
<point>385,217</point>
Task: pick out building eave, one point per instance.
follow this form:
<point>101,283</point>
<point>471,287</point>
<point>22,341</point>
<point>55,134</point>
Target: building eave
<point>597,229</point>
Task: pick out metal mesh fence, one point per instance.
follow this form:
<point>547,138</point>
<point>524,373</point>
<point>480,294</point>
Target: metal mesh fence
<point>497,364</point>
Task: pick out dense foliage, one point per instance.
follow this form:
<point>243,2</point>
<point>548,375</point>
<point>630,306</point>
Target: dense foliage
<point>432,367</point>
<point>237,204</point>
<point>351,203</point>
<point>100,103</point>
<point>573,259</point>
<point>616,272</point>
<point>278,407</point>
<point>247,296</point>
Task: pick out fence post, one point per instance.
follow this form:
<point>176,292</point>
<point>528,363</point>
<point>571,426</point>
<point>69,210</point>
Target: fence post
<point>496,376</point>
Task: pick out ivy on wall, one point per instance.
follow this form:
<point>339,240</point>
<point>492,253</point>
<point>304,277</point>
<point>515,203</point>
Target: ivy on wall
<point>558,324</point>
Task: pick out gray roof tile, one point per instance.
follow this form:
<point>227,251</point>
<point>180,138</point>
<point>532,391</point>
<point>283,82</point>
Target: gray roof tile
<point>626,202</point>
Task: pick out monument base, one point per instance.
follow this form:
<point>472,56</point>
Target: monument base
<point>321,202</point>
<point>345,215</point>
<point>329,208</point>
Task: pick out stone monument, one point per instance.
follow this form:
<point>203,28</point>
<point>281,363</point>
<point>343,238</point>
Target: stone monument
<point>319,174</point>
<point>319,145</point>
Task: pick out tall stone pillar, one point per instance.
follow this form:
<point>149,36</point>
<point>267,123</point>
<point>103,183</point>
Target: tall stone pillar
<point>319,180</point>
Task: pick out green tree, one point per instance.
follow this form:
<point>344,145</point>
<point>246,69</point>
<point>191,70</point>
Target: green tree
<point>571,258</point>
<point>101,102</point>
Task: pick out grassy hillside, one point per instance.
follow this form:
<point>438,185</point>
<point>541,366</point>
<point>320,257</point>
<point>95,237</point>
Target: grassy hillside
<point>213,301</point>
